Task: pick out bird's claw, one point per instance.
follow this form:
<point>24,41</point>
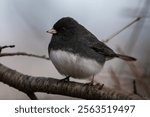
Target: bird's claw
<point>89,83</point>
<point>99,86</point>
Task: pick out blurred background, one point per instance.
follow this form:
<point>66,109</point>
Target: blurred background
<point>24,24</point>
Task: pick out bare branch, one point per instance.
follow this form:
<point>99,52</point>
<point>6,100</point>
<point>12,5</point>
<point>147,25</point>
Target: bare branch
<point>134,87</point>
<point>115,34</point>
<point>23,54</point>
<point>3,47</point>
<point>30,84</point>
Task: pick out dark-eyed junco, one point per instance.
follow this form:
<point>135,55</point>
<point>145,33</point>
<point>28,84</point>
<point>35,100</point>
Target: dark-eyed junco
<point>76,52</point>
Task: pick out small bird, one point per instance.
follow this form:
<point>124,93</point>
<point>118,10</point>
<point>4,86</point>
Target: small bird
<point>76,52</point>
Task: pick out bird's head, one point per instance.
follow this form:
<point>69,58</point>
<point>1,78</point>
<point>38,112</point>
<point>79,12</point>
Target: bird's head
<point>64,26</point>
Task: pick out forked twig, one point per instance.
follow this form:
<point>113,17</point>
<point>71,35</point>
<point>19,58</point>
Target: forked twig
<point>3,47</point>
<point>19,53</point>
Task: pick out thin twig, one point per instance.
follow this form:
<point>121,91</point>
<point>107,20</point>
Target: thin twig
<point>134,87</point>
<point>3,47</point>
<point>20,53</point>
<point>115,34</point>
<point>23,54</point>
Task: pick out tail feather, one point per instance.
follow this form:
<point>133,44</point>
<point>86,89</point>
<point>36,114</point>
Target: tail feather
<point>126,58</point>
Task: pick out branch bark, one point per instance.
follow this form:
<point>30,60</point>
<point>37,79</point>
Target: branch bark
<point>30,85</point>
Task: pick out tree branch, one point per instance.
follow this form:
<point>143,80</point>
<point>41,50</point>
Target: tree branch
<point>23,54</point>
<point>3,47</point>
<point>29,84</point>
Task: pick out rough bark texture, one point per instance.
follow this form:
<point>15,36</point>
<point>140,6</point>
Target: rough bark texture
<point>30,85</point>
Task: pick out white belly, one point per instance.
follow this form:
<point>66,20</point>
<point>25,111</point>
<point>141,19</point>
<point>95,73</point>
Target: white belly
<point>72,65</point>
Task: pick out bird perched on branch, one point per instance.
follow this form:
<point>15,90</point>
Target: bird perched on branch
<point>76,52</point>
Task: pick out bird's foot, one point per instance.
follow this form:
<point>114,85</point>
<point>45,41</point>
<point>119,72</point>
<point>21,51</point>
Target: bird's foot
<point>66,79</point>
<point>90,83</point>
<point>99,86</point>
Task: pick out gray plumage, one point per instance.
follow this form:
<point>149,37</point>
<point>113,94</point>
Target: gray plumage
<point>78,43</point>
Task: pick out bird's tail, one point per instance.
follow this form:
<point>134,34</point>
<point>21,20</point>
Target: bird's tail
<point>126,58</point>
